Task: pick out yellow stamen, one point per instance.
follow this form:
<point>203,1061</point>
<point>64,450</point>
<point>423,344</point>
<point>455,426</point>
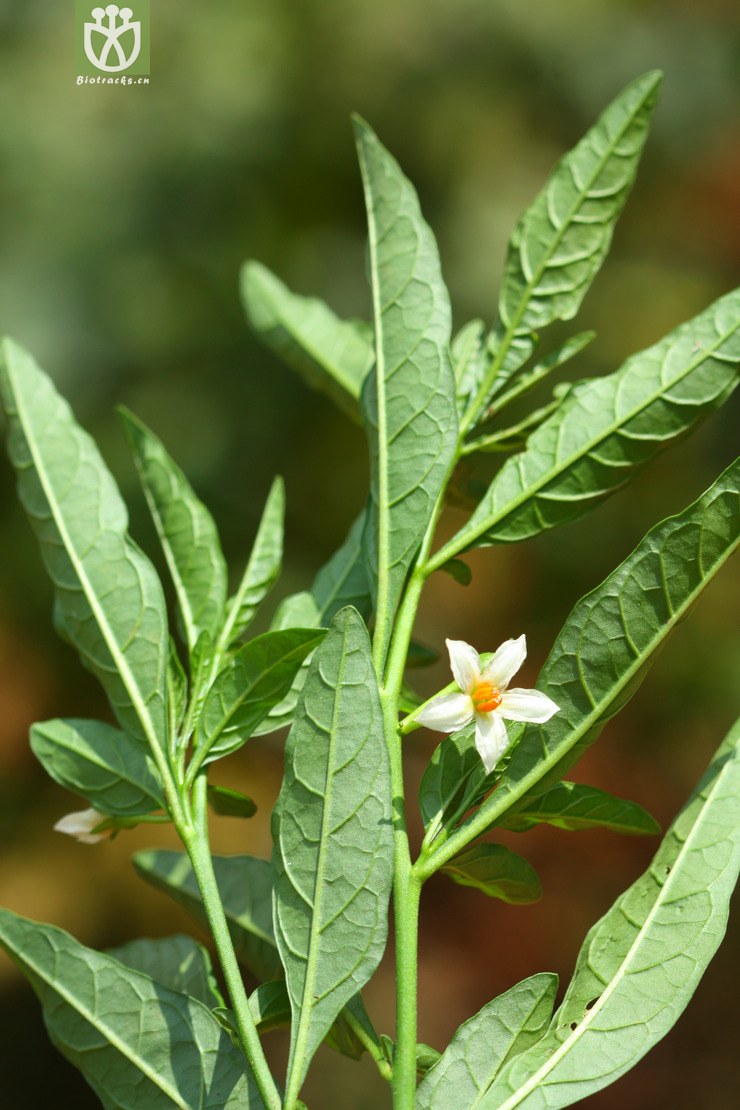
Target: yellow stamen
<point>486,697</point>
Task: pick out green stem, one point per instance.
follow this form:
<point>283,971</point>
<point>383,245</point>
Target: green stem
<point>195,839</point>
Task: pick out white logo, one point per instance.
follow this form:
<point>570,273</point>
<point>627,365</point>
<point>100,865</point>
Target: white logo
<point>104,39</point>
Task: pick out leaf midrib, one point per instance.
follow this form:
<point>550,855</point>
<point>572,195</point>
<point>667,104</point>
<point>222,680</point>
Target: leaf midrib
<point>623,969</point>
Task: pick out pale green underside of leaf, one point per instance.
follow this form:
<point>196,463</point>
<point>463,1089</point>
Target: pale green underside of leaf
<point>482,1045</point>
<point>573,806</point>
<point>332,834</point>
<point>252,683</point>
<point>178,963</point>
<point>263,566</point>
<point>606,428</point>
<point>562,239</point>
<point>408,402</point>
<point>610,638</point>
<point>641,963</point>
<point>186,530</point>
<point>115,773</point>
<point>245,886</point>
<point>330,354</point>
<point>109,601</point>
<point>342,581</point>
<point>137,1043</point>
<point>496,871</point>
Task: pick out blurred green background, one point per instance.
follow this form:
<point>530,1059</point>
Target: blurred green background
<point>125,214</point>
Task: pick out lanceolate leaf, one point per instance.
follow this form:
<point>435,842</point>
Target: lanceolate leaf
<point>257,678</point>
<point>573,806</point>
<point>186,531</point>
<point>408,403</point>
<point>262,569</point>
<point>115,773</point>
<point>136,1042</point>
<point>503,1028</point>
<point>230,803</point>
<point>330,354</point>
<point>245,886</point>
<point>641,963</point>
<point>609,640</point>
<point>332,856</point>
<point>109,601</point>
<point>608,427</point>
<point>496,871</point>
<point>562,239</point>
<point>178,962</point>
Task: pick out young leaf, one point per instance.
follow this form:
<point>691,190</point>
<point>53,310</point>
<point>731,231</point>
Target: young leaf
<point>482,1045</point>
<point>230,803</point>
<point>116,775</point>
<point>561,240</point>
<point>606,428</point>
<point>330,354</point>
<point>641,963</point>
<point>186,531</point>
<point>257,678</point>
<point>609,640</point>
<point>262,569</point>
<point>245,886</point>
<point>444,782</point>
<point>497,872</point>
<point>469,360</point>
<point>177,688</point>
<point>136,1042</point>
<point>573,806</point>
<point>178,963</point>
<point>332,834</point>
<point>408,403</point>
<point>270,1006</point>
<point>109,601</point>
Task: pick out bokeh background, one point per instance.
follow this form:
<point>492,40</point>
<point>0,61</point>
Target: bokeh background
<point>125,214</point>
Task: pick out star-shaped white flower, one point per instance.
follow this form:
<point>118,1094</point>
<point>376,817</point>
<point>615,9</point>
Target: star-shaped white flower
<point>485,698</point>
<point>80,825</point>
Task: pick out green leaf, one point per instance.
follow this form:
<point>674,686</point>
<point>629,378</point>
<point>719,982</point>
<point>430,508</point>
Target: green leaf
<point>331,355</point>
<point>177,962</point>
<point>458,570</point>
<point>408,403</point>
<point>186,530</point>
<point>343,580</point>
<point>606,428</point>
<point>481,1046</point>
<point>116,775</point>
<point>574,806</point>
<point>469,361</point>
<point>230,803</point>
<point>177,688</point>
<point>443,785</point>
<point>497,872</point>
<point>245,886</point>
<point>256,679</point>
<point>136,1042</point>
<point>109,601</point>
<point>561,241</point>
<point>419,655</point>
<point>332,834</point>
<point>270,1006</point>
<point>641,963</point>
<point>263,567</point>
<point>609,640</point>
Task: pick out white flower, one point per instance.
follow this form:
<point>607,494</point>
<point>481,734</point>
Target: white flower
<point>486,699</point>
<point>80,825</point>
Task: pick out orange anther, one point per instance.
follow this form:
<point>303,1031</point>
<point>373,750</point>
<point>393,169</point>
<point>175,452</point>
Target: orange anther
<point>486,697</point>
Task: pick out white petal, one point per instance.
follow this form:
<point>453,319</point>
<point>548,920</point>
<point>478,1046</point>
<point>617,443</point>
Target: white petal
<point>506,662</point>
<point>447,713</point>
<point>491,738</point>
<point>465,663</point>
<point>80,825</point>
<point>527,705</point>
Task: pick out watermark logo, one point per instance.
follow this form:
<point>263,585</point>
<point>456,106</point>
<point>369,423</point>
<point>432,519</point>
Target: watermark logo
<point>112,42</point>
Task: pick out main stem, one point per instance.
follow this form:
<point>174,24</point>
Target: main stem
<point>195,839</point>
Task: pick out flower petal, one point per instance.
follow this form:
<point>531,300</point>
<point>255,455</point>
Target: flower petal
<point>80,825</point>
<point>491,738</point>
<point>506,662</point>
<point>465,663</point>
<point>527,705</point>
<point>447,713</point>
